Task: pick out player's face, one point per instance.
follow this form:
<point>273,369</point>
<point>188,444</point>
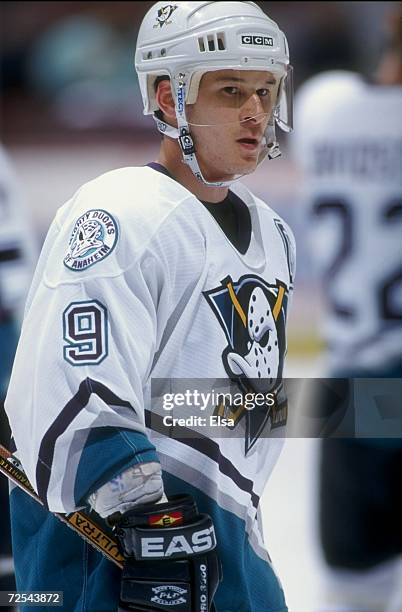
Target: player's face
<point>228,120</point>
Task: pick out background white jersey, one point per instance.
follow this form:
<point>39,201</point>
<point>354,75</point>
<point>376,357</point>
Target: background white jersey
<point>349,144</point>
<point>137,285</point>
<point>17,244</point>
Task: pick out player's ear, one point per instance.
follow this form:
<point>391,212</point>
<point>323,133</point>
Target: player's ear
<point>165,101</point>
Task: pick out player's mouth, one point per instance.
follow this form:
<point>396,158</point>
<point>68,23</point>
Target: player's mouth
<point>249,144</point>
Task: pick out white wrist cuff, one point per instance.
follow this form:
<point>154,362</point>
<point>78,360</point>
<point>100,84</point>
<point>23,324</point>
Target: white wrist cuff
<point>139,484</point>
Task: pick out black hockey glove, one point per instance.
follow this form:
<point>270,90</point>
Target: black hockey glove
<point>170,558</point>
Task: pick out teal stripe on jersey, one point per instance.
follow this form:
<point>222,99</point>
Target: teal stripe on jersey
<point>48,556</point>
<point>115,448</point>
<point>249,583</point>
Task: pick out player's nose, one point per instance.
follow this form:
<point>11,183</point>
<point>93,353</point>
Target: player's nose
<point>253,110</point>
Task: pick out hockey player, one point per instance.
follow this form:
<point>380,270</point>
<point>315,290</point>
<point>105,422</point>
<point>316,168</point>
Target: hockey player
<point>17,257</point>
<point>349,145</point>
<point>149,276</point>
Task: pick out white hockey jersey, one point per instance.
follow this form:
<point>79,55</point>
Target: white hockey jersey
<point>349,146</point>
<point>138,292</point>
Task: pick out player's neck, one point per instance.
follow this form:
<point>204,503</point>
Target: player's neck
<point>171,158</point>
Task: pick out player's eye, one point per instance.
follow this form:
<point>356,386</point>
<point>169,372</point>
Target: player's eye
<point>233,91</point>
<point>263,92</point>
<point>264,339</point>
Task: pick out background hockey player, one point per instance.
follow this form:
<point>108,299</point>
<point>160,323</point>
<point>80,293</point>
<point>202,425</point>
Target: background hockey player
<point>169,271</point>
<point>349,144</point>
<point>17,256</point>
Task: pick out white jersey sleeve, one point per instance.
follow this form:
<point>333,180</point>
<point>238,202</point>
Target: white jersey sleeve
<point>97,307</point>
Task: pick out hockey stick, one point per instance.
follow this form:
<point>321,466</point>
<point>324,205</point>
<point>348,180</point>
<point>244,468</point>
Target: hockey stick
<point>80,522</point>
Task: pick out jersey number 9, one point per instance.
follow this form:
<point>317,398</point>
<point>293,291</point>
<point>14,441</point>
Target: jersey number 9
<point>85,331</point>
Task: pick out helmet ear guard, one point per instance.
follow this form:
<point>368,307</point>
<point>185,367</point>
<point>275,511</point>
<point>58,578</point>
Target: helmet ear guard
<point>199,37</point>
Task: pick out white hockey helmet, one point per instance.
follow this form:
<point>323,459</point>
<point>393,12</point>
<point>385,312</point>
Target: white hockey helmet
<point>183,40</point>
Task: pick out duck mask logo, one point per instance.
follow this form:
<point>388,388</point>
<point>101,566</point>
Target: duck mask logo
<point>252,314</point>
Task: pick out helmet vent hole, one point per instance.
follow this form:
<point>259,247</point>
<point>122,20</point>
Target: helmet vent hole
<point>221,41</point>
<point>212,42</point>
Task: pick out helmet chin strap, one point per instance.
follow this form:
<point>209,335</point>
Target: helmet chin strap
<point>188,151</point>
<point>186,142</point>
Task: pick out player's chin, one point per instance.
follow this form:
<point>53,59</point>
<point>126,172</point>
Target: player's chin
<point>233,172</point>
<point>246,164</point>
<point>247,160</point>
<point>233,167</point>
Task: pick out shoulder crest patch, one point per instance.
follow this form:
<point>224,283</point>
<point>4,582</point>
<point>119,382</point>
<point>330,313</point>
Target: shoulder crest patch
<point>93,238</point>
